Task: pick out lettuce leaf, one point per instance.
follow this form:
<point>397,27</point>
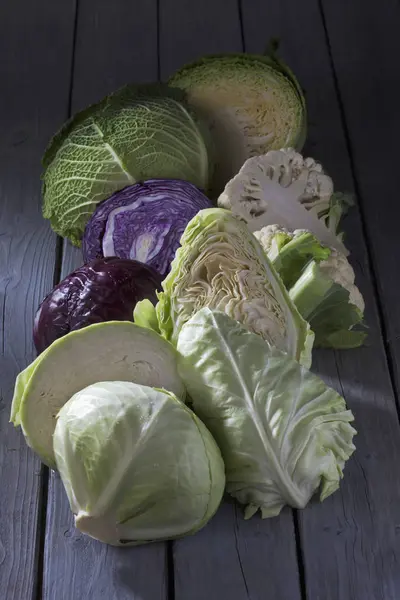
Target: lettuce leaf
<point>282,432</point>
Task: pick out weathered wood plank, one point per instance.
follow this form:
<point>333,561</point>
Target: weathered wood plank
<point>238,559</point>
<point>79,567</point>
<point>189,30</point>
<point>365,48</point>
<point>231,557</point>
<point>116,43</point>
<point>350,543</point>
<point>33,100</point>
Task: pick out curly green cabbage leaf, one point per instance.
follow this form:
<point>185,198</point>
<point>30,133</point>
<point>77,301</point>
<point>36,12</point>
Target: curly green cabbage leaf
<point>116,350</point>
<point>145,315</point>
<point>220,264</point>
<point>284,187</point>
<point>137,133</point>
<point>282,432</point>
<point>252,104</point>
<point>320,282</point>
<point>137,464</point>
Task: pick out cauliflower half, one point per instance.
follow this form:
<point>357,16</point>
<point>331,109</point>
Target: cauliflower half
<point>321,283</point>
<point>284,187</point>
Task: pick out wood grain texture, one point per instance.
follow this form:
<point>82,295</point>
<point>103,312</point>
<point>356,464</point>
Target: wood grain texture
<point>116,43</point>
<point>33,100</point>
<point>80,567</point>
<point>365,48</point>
<point>231,557</point>
<point>188,30</point>
<point>351,542</point>
<point>238,559</point>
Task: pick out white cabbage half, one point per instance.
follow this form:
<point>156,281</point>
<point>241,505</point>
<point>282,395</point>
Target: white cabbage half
<point>101,352</point>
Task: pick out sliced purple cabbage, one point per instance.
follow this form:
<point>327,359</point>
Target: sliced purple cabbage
<point>143,222</point>
<point>106,289</point>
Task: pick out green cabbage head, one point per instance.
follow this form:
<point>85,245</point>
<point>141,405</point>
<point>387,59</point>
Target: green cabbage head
<point>137,464</point>
<point>137,133</point>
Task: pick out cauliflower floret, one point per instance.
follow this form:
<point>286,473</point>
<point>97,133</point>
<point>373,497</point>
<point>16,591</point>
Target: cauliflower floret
<point>320,281</point>
<point>273,237</point>
<point>338,268</point>
<point>267,235</point>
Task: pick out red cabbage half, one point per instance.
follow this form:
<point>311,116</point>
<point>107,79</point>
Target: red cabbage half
<point>103,290</point>
<point>143,222</point>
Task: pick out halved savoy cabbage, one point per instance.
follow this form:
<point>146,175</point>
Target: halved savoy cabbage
<point>252,103</point>
<point>102,352</point>
<point>137,464</point>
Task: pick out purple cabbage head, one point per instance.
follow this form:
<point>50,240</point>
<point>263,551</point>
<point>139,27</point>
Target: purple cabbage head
<point>104,290</point>
<point>143,222</point>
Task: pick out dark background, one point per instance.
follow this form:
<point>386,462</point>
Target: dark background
<point>55,58</point>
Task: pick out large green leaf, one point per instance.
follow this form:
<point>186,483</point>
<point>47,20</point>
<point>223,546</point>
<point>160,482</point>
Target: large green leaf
<point>282,432</point>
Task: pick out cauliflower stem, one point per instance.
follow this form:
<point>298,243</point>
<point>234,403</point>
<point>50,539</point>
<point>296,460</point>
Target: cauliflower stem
<point>321,283</point>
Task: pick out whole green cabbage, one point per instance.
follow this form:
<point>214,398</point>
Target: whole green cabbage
<point>137,133</point>
<point>137,464</point>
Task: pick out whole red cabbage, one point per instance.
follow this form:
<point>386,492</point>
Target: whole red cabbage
<point>103,290</point>
<point>144,221</point>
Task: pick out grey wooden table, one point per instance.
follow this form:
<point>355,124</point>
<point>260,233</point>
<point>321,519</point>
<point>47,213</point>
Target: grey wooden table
<point>55,58</point>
